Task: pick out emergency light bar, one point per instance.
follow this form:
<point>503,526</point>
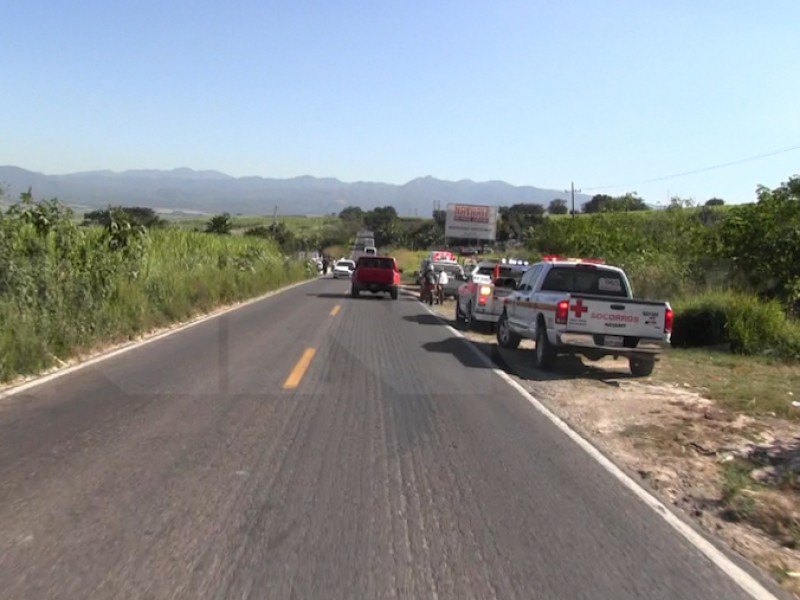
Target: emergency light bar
<point>591,261</point>
<point>442,256</point>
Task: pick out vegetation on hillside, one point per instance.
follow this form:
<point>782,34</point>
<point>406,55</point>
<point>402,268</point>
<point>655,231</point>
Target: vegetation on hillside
<point>732,272</point>
<point>65,288</point>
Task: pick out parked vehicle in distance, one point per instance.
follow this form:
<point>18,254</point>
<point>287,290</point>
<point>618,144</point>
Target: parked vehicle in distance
<point>344,268</point>
<point>481,298</point>
<point>583,306</point>
<point>375,274</point>
<point>455,275</point>
<point>359,251</point>
<point>364,245</point>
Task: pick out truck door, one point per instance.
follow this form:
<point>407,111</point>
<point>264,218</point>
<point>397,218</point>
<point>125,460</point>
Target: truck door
<point>517,309</point>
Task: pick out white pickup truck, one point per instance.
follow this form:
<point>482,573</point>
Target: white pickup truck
<point>582,306</point>
<point>481,298</point>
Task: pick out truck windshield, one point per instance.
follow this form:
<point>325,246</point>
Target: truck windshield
<point>453,271</point>
<point>376,263</point>
<point>585,281</point>
<point>505,272</point>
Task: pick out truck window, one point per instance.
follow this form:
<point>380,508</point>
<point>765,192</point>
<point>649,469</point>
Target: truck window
<point>376,263</point>
<point>585,281</point>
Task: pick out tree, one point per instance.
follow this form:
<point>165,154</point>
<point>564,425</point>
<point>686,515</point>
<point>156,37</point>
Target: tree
<point>605,203</point>
<point>558,207</point>
<point>763,241</point>
<point>381,221</point>
<point>220,224</point>
<point>517,220</point>
<point>352,213</point>
<point>715,202</point>
<point>440,217</point>
<point>597,203</point>
<point>138,215</point>
<point>677,203</point>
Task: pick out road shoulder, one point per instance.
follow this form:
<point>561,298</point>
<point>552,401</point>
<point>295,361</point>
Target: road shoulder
<point>734,475</point>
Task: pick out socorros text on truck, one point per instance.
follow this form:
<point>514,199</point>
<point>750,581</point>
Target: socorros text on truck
<point>583,306</point>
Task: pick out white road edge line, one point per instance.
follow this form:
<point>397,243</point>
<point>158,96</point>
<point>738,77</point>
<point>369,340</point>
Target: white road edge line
<point>37,381</point>
<point>741,577</point>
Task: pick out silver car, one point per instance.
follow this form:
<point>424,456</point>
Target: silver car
<point>343,269</point>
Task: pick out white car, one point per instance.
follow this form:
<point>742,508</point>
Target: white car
<point>344,269</point>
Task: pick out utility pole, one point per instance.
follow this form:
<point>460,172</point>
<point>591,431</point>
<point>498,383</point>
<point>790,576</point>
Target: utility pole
<point>572,193</point>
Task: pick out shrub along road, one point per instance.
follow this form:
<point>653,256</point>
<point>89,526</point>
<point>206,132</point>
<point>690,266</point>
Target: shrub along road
<point>313,445</point>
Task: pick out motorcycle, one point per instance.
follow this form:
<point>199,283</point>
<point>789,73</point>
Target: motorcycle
<point>426,292</point>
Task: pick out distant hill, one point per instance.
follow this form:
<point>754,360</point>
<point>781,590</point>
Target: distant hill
<point>214,192</point>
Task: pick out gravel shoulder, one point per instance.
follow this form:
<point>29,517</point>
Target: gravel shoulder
<point>735,474</point>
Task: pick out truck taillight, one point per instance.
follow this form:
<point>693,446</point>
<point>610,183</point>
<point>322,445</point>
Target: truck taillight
<point>483,293</point>
<point>562,311</point>
<point>668,321</point>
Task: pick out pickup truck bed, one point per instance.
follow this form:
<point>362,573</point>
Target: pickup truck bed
<point>552,307</point>
<point>482,297</point>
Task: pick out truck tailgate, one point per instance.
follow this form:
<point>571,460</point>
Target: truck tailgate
<point>367,275</point>
<point>616,316</point>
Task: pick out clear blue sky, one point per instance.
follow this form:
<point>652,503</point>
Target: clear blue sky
<point>529,92</point>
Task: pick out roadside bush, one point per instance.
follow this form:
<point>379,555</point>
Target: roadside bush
<point>744,322</point>
<point>700,321</point>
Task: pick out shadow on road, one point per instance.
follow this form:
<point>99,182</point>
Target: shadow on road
<point>330,295</point>
<point>424,319</point>
<point>458,348</point>
<point>519,362</point>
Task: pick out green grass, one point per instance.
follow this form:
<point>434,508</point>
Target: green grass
<point>66,289</point>
<point>746,323</point>
<point>749,384</point>
<point>297,223</point>
<point>762,506</point>
<point>407,260</point>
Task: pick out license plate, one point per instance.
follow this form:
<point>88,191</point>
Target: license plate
<point>615,341</point>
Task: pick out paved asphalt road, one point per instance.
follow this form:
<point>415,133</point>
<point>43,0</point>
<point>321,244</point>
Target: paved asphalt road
<point>398,467</point>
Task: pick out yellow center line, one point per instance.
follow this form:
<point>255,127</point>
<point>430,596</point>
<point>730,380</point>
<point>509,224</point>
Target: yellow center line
<point>299,369</point>
<point>335,310</point>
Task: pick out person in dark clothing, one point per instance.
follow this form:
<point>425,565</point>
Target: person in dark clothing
<point>325,265</point>
<point>428,285</point>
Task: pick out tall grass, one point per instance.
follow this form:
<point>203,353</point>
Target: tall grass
<point>745,323</point>
<point>65,289</point>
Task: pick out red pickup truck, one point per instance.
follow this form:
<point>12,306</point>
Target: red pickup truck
<point>375,274</point>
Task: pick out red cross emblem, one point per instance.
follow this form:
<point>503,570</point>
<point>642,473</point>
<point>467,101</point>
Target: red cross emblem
<point>579,308</point>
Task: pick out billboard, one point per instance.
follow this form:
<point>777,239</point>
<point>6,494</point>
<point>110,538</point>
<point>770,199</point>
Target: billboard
<point>471,221</point>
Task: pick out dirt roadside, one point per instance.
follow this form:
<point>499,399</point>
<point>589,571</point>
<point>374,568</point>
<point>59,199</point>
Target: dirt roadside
<point>736,475</point>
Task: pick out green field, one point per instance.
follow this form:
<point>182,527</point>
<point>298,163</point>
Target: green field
<point>241,223</point>
<point>67,289</point>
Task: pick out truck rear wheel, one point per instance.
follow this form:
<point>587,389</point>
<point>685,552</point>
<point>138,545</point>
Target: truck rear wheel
<point>354,291</point>
<point>641,367</point>
<point>393,293</point>
<point>545,353</point>
<point>461,319</point>
<point>505,337</point>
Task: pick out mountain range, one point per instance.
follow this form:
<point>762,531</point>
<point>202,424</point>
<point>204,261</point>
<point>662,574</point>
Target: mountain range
<point>187,190</point>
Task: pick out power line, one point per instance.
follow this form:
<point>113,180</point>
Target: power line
<point>694,171</point>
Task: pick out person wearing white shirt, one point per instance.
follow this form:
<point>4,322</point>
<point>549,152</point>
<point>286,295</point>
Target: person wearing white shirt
<point>442,281</point>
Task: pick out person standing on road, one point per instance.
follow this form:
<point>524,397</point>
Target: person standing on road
<point>429,285</point>
<point>324,265</point>
<point>442,281</point>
